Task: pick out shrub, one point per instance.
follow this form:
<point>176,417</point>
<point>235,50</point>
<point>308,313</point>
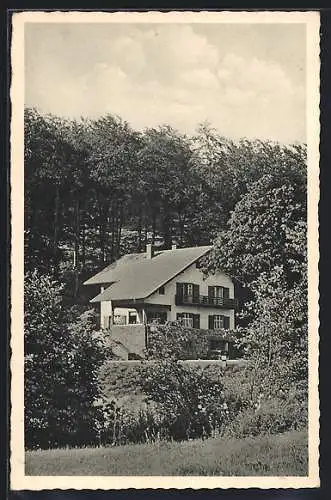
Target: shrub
<point>117,424</point>
<point>191,404</point>
<point>171,341</point>
<point>61,364</point>
<point>175,341</point>
<point>273,417</point>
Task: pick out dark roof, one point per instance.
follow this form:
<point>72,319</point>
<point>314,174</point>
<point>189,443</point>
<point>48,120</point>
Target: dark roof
<point>135,276</point>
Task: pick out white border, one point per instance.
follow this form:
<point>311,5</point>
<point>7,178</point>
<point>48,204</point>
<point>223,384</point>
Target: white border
<point>18,479</point>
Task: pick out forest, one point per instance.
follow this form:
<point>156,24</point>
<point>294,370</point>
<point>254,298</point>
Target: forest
<point>96,189</point>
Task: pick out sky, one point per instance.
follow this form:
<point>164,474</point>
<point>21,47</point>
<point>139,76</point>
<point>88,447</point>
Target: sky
<point>245,80</point>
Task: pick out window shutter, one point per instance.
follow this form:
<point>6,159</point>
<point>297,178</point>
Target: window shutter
<point>179,289</point>
<point>211,322</point>
<point>179,316</point>
<point>226,322</point>
<point>226,293</point>
<point>196,292</point>
<point>211,295</point>
<point>196,320</point>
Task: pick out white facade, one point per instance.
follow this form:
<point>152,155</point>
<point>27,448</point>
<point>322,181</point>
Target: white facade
<point>192,275</point>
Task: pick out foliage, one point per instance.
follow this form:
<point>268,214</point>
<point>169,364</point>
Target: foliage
<point>266,229</point>
<point>275,416</point>
<point>119,424</point>
<point>103,179</point>
<point>276,339</point>
<point>110,190</point>
<point>176,341</point>
<point>61,363</point>
<point>171,341</point>
<point>264,248</point>
<point>191,403</point>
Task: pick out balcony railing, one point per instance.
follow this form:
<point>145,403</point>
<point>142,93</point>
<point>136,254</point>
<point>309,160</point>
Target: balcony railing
<point>205,300</point>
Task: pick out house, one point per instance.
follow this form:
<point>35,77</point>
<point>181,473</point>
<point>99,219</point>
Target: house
<point>160,286</point>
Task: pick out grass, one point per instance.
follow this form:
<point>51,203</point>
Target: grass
<point>278,455</point>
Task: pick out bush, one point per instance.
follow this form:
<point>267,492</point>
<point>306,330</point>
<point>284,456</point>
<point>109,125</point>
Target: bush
<point>171,341</point>
<point>273,417</point>
<point>175,341</point>
<point>190,403</point>
<point>181,402</point>
<point>119,424</point>
<point>62,359</point>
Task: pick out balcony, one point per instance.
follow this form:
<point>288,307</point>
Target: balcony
<point>204,300</point>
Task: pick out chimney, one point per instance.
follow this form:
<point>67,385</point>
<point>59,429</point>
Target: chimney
<point>173,247</point>
<point>149,251</point>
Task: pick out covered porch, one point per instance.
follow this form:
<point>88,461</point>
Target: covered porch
<point>133,313</point>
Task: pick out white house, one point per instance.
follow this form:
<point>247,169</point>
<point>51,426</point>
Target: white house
<point>164,285</point>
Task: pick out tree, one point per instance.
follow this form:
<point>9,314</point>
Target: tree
<point>231,167</point>
<point>261,233</point>
<point>167,179</point>
<point>114,147</point>
<point>264,249</point>
<point>61,364</point>
<point>47,161</point>
<point>276,339</point>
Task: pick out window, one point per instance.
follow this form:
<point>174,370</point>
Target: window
<point>188,289</point>
<point>132,318</point>
<point>189,292</point>
<point>119,319</point>
<point>220,292</point>
<point>216,294</point>
<point>161,290</point>
<point>189,320</point>
<point>218,321</point>
<point>157,317</point>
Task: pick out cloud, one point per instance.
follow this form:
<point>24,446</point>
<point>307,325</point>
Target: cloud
<point>164,74</point>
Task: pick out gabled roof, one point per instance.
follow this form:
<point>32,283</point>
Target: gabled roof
<point>135,276</point>
<point>114,271</point>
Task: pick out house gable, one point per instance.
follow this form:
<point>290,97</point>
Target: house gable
<point>191,274</point>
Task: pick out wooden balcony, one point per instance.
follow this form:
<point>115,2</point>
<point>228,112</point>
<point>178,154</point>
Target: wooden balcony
<point>204,300</point>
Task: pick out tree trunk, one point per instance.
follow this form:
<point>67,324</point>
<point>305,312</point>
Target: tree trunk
<point>269,348</point>
<point>102,232</point>
<point>56,223</point>
<point>112,241</point>
<point>153,226</point>
<point>119,233</point>
<point>77,238</point>
<point>181,219</point>
<point>140,229</point>
<point>146,230</point>
<point>83,252</point>
<point>166,223</point>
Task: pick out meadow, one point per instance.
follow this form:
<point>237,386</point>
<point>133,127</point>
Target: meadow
<point>277,455</point>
